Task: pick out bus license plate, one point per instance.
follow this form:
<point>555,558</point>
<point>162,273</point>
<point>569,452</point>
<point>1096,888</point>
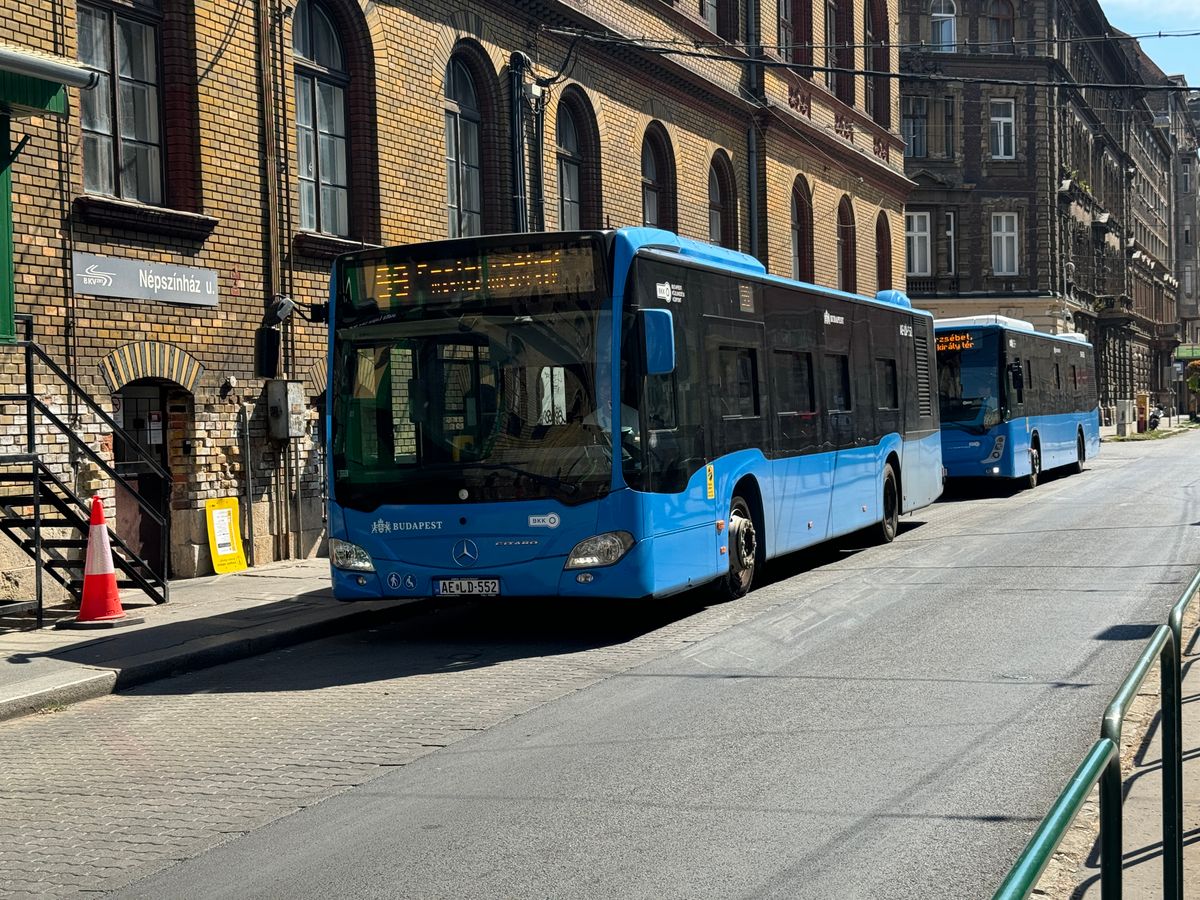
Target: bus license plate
<point>475,587</point>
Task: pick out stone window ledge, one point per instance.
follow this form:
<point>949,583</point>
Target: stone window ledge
<point>129,216</point>
<point>312,245</point>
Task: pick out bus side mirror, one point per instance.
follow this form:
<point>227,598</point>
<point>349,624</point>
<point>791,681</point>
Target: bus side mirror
<point>658,332</point>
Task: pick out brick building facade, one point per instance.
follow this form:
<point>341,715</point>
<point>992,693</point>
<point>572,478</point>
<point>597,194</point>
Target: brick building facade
<point>1049,203</point>
<point>252,143</point>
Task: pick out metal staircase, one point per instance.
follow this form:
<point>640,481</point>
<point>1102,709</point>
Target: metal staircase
<point>42,515</point>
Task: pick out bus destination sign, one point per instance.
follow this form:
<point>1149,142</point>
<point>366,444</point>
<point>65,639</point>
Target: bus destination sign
<point>955,340</point>
<point>507,274</point>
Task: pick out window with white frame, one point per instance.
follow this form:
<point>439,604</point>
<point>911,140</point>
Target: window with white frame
<point>1004,243</point>
<point>1003,119</point>
<point>916,244</point>
<point>914,126</point>
<point>1187,177</point>
<point>942,38</point>
<point>951,245</point>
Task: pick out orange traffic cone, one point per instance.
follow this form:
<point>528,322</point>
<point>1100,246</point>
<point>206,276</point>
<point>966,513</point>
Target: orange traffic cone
<point>101,603</point>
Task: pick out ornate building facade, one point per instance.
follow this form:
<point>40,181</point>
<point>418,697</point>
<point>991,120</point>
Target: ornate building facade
<point>1044,185</point>
<point>220,156</point>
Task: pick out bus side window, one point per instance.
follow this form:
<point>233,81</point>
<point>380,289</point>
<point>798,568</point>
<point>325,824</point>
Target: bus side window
<point>837,383</point>
<point>1016,381</point>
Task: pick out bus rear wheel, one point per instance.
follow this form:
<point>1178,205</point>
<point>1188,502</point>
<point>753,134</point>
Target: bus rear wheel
<point>743,551</point>
<point>1035,466</point>
<point>1080,455</point>
<point>890,506</point>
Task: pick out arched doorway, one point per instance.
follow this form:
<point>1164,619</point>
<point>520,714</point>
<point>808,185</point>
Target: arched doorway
<point>140,409</point>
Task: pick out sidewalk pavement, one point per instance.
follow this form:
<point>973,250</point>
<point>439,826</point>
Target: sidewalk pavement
<point>208,621</point>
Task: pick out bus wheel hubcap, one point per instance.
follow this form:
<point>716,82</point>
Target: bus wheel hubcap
<point>744,542</point>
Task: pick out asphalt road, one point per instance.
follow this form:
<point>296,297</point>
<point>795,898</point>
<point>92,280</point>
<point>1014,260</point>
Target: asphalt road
<point>877,722</point>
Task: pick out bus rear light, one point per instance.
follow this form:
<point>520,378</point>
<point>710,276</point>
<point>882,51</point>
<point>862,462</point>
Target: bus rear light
<point>600,550</point>
<point>350,557</point>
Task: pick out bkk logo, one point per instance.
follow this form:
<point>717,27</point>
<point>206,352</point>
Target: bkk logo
<point>550,520</point>
<point>93,276</point>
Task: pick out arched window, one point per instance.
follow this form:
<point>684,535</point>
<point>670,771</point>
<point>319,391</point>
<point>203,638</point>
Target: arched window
<point>942,37</point>
<point>321,121</point>
<point>998,20</point>
<point>883,253</point>
<point>802,232</point>
<point>464,187</point>
<point>847,249</point>
<point>578,144</point>
<point>796,32</point>
<point>658,179</point>
<point>720,16</point>
<point>722,202</point>
<point>839,48</point>
<point>879,97</point>
<point>570,164</point>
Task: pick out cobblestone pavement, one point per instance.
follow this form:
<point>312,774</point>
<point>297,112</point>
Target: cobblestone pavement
<point>99,794</point>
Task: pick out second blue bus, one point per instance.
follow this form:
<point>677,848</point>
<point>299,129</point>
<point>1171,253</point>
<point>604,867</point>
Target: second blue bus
<point>1014,401</point>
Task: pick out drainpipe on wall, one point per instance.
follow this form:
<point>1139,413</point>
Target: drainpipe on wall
<point>754,77</point>
<point>539,149</point>
<point>516,84</point>
<point>272,227</point>
<point>752,182</point>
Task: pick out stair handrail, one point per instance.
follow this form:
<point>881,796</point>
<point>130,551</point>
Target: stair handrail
<point>99,461</point>
<point>29,343</point>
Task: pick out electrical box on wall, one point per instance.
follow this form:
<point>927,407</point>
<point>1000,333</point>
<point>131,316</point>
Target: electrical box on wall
<point>286,412</point>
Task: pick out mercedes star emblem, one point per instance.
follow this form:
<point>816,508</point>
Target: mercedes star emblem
<point>465,553</point>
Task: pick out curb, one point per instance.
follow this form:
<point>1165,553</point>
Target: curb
<point>73,685</point>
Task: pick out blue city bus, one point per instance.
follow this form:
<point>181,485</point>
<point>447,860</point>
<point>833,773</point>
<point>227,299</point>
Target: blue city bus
<point>618,414</point>
<point>1014,401</point>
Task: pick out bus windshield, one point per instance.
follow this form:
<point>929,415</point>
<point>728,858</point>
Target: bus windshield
<point>469,377</point>
<point>969,379</point>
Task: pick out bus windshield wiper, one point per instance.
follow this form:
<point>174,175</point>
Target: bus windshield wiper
<point>565,486</point>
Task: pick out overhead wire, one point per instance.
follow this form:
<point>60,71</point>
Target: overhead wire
<point>668,48</point>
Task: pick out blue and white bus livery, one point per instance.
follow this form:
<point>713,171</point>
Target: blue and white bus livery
<point>611,414</point>
<point>1014,401</point>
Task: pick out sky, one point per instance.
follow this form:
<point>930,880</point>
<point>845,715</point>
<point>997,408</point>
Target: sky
<point>1174,55</point>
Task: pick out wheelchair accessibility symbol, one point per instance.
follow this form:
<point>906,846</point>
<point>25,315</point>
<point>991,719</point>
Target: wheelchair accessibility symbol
<point>395,580</point>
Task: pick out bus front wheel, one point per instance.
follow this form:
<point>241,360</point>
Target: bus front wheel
<point>891,506</point>
<point>743,551</point>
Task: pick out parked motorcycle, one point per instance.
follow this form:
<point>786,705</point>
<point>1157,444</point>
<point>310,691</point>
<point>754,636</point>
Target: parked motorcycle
<point>1155,417</point>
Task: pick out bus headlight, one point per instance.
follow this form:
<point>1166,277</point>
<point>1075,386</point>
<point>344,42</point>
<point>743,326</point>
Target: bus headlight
<point>351,557</point>
<point>600,550</point>
<point>997,448</point>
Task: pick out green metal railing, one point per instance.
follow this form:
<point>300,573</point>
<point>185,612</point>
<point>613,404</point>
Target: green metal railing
<point>1103,765</point>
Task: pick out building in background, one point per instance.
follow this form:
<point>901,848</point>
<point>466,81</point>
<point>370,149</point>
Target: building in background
<point>1049,202</point>
<point>174,222</point>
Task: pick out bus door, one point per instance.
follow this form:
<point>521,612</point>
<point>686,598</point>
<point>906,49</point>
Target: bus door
<point>802,470</point>
<point>670,467</point>
<point>847,398</point>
